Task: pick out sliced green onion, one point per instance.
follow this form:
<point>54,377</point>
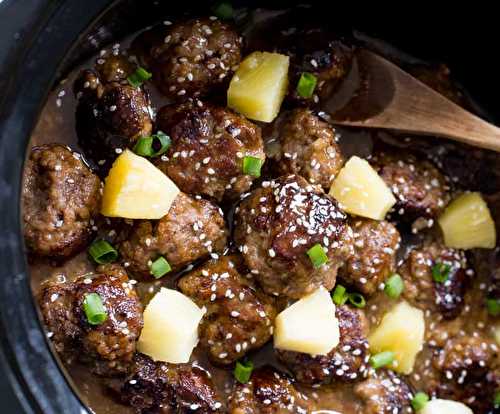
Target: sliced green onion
<point>306,85</point>
<point>252,166</point>
<point>382,359</point>
<point>243,371</point>
<point>496,400</point>
<point>440,272</point>
<point>394,286</point>
<point>357,299</point>
<point>153,146</point>
<point>102,252</point>
<point>223,10</point>
<point>94,309</point>
<point>137,78</point>
<point>340,295</point>
<point>419,400</point>
<point>317,255</point>
<point>493,306</point>
<point>160,267</point>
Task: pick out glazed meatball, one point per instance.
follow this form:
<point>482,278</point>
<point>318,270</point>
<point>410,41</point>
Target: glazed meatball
<point>384,393</point>
<point>267,392</point>
<point>347,362</point>
<point>108,347</point>
<point>374,258</point>
<point>208,147</point>
<point>238,319</point>
<point>420,189</point>
<point>190,58</point>
<point>278,223</point>
<point>61,197</point>
<point>192,229</point>
<point>439,299</point>
<point>309,148</point>
<point>157,387</point>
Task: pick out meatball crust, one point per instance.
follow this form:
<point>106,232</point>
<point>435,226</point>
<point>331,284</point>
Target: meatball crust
<point>208,146</point>
<point>440,299</point>
<point>374,258</point>
<point>190,58</point>
<point>157,387</point>
<point>109,347</point>
<point>192,229</point>
<point>278,223</point>
<point>308,148</point>
<point>61,197</point>
<point>347,362</point>
<point>239,318</point>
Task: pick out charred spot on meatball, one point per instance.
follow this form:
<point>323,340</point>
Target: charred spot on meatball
<point>239,318</point>
<point>108,347</point>
<point>278,223</point>
<point>61,197</point>
<point>209,144</point>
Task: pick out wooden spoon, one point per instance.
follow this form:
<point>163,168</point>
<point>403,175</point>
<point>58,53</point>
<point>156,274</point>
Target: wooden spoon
<point>378,94</point>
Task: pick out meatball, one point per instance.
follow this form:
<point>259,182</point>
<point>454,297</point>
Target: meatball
<point>192,229</point>
<point>420,189</point>
<point>278,223</point>
<point>108,347</point>
<point>374,258</point>
<point>267,392</point>
<point>208,146</point>
<point>439,299</point>
<point>61,197</point>
<point>347,362</point>
<point>157,387</point>
<point>190,58</point>
<point>384,393</point>
<point>238,319</point>
<point>309,148</point>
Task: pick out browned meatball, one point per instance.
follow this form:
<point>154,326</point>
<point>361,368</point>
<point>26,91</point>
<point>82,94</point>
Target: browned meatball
<point>374,258</point>
<point>278,223</point>
<point>190,58</point>
<point>192,229</point>
<point>347,362</point>
<point>267,392</point>
<point>109,347</point>
<point>208,147</point>
<point>384,393</point>
<point>61,196</point>
<point>157,387</point>
<point>420,189</point>
<point>308,148</point>
<point>439,299</point>
<point>238,319</point>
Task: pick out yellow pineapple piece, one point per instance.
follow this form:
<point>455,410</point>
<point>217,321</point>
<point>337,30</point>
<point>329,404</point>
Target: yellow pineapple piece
<point>136,189</point>
<point>438,406</point>
<point>467,224</point>
<point>259,85</point>
<point>401,331</point>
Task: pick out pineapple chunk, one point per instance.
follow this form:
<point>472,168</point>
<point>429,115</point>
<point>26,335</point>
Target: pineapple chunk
<point>361,191</point>
<point>309,325</point>
<point>445,407</point>
<point>496,333</point>
<point>170,330</point>
<point>466,223</point>
<point>401,331</point>
<point>259,86</point>
<point>136,189</point>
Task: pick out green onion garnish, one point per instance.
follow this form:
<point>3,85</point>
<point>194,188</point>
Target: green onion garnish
<point>340,295</point>
<point>317,255</point>
<point>382,359</point>
<point>160,267</point>
<point>496,400</point>
<point>153,146</point>
<point>137,78</point>
<point>419,400</point>
<point>102,252</point>
<point>252,166</point>
<point>440,272</point>
<point>493,306</point>
<point>94,309</point>
<point>306,85</point>
<point>356,299</point>
<point>394,286</point>
<point>223,10</point>
<point>243,371</point>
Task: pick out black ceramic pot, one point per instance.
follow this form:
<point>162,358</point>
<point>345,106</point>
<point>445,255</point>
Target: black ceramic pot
<point>40,40</point>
